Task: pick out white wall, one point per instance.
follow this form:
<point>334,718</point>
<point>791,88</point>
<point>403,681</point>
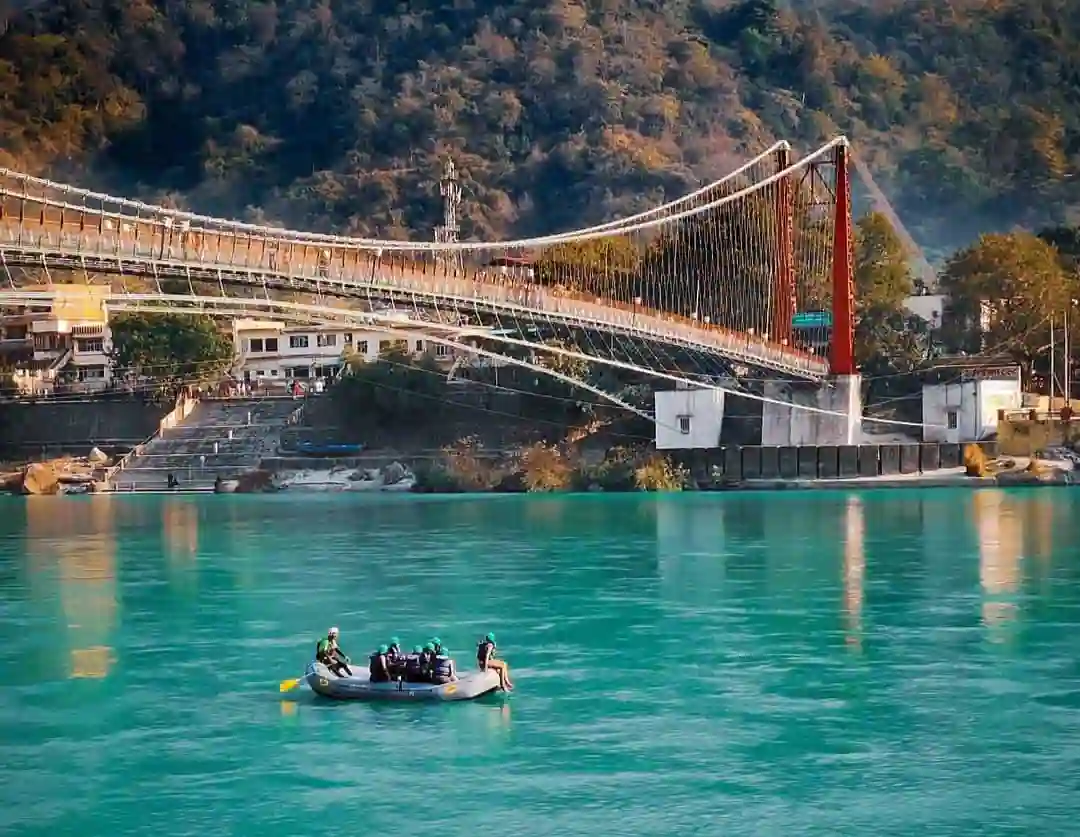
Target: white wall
<point>698,412</point>
<point>994,396</point>
<point>975,405</point>
<point>959,399</point>
<point>930,308</point>
<point>834,416</point>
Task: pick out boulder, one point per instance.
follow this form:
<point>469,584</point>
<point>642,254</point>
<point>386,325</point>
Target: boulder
<point>38,479</point>
<point>393,473</point>
<point>97,457</point>
<point>255,482</point>
<point>1034,476</point>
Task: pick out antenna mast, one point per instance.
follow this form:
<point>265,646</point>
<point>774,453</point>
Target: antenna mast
<point>450,189</point>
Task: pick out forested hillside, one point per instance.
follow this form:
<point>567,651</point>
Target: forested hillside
<point>335,114</point>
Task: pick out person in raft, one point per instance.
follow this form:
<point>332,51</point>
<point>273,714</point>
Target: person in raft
<point>329,654</point>
<point>485,658</point>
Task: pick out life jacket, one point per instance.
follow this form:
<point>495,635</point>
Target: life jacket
<point>481,651</point>
<point>443,670</point>
<point>414,668</point>
<point>375,668</point>
<point>324,651</point>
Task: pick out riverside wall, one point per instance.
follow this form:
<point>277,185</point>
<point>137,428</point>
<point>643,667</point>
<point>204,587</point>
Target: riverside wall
<point>737,464</point>
<point>31,430</point>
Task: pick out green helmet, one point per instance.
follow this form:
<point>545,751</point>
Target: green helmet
<point>436,641</point>
<point>395,641</point>
<point>417,649</point>
<point>429,647</point>
<point>490,637</point>
<point>383,649</point>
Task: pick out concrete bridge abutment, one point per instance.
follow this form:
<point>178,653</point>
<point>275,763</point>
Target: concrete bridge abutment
<point>824,414</point>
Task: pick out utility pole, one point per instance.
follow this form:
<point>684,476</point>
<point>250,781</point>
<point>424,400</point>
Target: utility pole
<point>450,189</point>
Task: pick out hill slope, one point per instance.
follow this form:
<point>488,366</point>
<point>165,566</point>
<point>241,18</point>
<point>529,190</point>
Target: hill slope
<point>335,114</point>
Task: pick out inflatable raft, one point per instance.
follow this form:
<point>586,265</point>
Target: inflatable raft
<point>468,686</point>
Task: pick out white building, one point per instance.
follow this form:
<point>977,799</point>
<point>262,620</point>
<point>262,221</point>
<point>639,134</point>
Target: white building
<point>272,353</point>
<point>962,397</point>
<point>688,419</point>
<point>929,307</point>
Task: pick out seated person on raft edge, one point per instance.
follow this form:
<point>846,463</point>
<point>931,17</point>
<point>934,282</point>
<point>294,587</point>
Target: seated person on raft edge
<point>330,655</point>
<point>485,658</point>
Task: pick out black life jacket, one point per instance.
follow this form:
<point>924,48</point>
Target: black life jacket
<point>413,668</point>
<point>443,670</point>
<point>481,650</point>
<point>375,669</point>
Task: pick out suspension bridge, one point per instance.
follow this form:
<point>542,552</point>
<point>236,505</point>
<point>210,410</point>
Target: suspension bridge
<point>705,287</point>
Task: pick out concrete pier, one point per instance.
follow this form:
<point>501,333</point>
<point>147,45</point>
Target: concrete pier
<point>835,417</point>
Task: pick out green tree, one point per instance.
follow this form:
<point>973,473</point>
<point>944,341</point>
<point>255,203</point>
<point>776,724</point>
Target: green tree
<point>396,387</point>
<point>1014,284</point>
<point>173,349</point>
<point>887,338</point>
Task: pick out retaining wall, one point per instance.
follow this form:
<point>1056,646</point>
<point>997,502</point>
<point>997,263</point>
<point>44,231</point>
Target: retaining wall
<point>736,464</point>
<point>30,429</point>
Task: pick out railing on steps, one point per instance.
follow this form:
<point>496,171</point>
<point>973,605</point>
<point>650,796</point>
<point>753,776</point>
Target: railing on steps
<point>185,405</point>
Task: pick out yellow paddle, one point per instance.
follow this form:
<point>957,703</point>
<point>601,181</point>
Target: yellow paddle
<point>289,685</point>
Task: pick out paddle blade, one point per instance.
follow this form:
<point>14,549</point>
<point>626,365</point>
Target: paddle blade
<point>289,685</point>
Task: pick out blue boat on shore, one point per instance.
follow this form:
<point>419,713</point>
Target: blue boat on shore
<point>327,449</point>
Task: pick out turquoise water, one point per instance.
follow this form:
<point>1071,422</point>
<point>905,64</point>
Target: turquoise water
<point>892,663</point>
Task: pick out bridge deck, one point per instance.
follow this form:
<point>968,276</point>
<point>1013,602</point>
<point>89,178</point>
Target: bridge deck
<point>152,248</point>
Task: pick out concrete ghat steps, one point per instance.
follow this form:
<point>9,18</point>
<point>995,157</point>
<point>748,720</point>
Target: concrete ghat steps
<point>243,431</point>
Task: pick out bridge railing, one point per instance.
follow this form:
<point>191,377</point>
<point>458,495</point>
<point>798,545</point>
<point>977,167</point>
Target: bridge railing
<point>332,269</point>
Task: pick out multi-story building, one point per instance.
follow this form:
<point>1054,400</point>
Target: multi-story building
<point>62,348</point>
<point>272,353</point>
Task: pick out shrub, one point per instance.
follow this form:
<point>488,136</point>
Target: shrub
<point>467,469</point>
<point>975,462</point>
<point>659,474</point>
<point>615,473</point>
<point>545,468</point>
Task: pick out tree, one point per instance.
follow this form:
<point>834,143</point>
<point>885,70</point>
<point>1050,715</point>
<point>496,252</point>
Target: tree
<point>600,265</point>
<point>1004,291</point>
<point>174,349</point>
<point>396,387</point>
<point>887,338</point>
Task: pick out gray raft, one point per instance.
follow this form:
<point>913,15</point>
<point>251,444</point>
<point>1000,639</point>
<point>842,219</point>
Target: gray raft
<point>468,686</point>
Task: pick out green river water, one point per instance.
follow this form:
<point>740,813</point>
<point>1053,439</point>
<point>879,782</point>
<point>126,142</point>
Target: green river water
<point>887,663</point>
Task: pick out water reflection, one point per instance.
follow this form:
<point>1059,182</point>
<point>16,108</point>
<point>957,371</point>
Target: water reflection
<point>180,535</point>
<point>690,549</point>
<point>854,571</point>
<point>1000,538</point>
<point>78,539</point>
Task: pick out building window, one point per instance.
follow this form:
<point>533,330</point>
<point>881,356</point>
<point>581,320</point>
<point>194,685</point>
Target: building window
<point>324,341</point>
<point>419,345</point>
<point>298,341</point>
<point>91,373</point>
<point>362,347</point>
<point>347,339</point>
<point>273,373</point>
<point>90,345</point>
<point>271,344</point>
<point>301,372</point>
<point>255,344</point>
<point>952,420</point>
<point>684,425</point>
<point>441,350</point>
<point>384,346</point>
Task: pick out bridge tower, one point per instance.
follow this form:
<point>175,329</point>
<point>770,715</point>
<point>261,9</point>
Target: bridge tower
<point>450,189</point>
<point>832,411</point>
<point>784,301</point>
